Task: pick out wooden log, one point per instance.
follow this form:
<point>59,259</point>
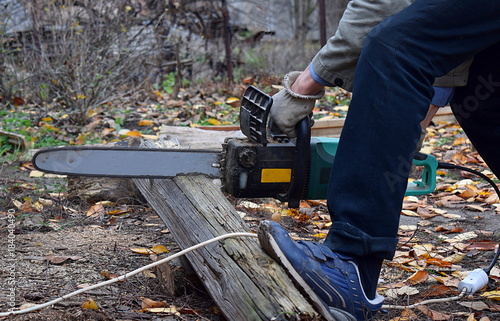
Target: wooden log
<point>245,283</point>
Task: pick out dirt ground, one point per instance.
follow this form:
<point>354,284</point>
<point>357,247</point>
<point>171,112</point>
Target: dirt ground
<point>58,249</point>
<point>51,246</point>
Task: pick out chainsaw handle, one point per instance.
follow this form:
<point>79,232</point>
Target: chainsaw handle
<point>301,163</point>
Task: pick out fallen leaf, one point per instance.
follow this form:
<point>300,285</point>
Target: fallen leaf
<point>453,216</point>
<point>251,206</point>
<point>495,272</point>
<point>109,275</point>
<point>461,237</point>
<point>467,194</point>
<point>438,290</point>
<point>320,235</point>
<point>438,210</point>
<point>418,277</point>
<point>434,315</point>
<point>492,295</point>
<point>233,101</point>
<point>454,230</point>
<point>96,210</point>
<point>492,199</point>
<point>483,245</point>
<point>148,303</point>
<point>106,203</point>
<point>142,250</point>
<point>36,174</point>
<point>158,249</point>
<point>412,199</point>
<point>107,131</point>
<point>213,121</point>
<point>475,208</point>
<point>27,305</point>
<point>454,258</point>
<point>410,206</point>
<point>145,122</point>
<point>90,304</point>
<point>409,213</point>
<point>406,315</point>
<point>187,311</point>
<point>133,133</point>
<point>438,262</point>
<point>25,207</point>
<point>276,217</point>
<point>45,202</point>
<point>170,310</point>
<point>408,227</point>
<point>91,113</point>
<point>117,212</point>
<point>18,101</point>
<point>248,80</point>
<point>440,228</point>
<point>459,141</point>
<point>391,294</point>
<point>407,290</point>
<point>149,274</point>
<point>59,259</point>
<point>476,305</point>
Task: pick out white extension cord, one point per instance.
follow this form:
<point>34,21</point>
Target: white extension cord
<point>473,282</point>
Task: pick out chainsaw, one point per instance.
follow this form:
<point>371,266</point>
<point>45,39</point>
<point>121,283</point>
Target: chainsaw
<point>265,163</point>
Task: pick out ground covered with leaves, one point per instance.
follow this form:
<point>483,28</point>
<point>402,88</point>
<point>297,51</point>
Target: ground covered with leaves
<point>52,244</point>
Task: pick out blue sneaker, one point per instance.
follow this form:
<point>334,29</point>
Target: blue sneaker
<point>331,280</point>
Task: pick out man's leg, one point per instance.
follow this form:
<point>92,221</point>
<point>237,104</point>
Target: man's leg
<point>477,106</point>
<point>399,61</point>
<point>393,87</point>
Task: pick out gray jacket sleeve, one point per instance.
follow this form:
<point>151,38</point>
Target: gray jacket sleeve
<point>336,61</point>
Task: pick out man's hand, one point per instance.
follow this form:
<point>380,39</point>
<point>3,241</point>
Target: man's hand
<point>290,107</point>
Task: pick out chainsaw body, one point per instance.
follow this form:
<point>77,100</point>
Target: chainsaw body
<point>289,169</point>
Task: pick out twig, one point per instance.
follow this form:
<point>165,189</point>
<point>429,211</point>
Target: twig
<point>402,307</point>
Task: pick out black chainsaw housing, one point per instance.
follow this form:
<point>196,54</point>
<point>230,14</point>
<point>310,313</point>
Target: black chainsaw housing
<point>247,162</point>
<point>244,163</point>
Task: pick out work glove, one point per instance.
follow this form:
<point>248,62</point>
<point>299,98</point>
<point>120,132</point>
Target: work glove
<point>289,108</point>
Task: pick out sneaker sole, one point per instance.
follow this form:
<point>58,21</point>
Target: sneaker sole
<point>271,247</point>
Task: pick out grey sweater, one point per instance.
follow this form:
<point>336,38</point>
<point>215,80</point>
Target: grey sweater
<point>336,61</point>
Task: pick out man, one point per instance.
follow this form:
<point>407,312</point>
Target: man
<point>400,59</point>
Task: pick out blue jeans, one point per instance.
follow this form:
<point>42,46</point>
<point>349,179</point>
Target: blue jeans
<point>391,95</point>
<point>477,106</point>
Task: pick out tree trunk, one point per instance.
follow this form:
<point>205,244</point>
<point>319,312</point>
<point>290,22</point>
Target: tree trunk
<point>322,22</point>
<point>227,41</point>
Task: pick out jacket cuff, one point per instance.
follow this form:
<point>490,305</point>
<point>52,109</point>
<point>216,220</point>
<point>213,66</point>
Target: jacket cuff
<point>442,95</point>
<point>317,78</point>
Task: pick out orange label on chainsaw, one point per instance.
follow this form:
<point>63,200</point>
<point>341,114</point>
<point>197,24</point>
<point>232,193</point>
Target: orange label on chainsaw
<point>276,175</point>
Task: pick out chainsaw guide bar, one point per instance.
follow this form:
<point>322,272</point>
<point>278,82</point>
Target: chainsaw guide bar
<point>127,162</point>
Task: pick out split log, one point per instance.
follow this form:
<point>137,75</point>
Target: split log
<point>245,283</point>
